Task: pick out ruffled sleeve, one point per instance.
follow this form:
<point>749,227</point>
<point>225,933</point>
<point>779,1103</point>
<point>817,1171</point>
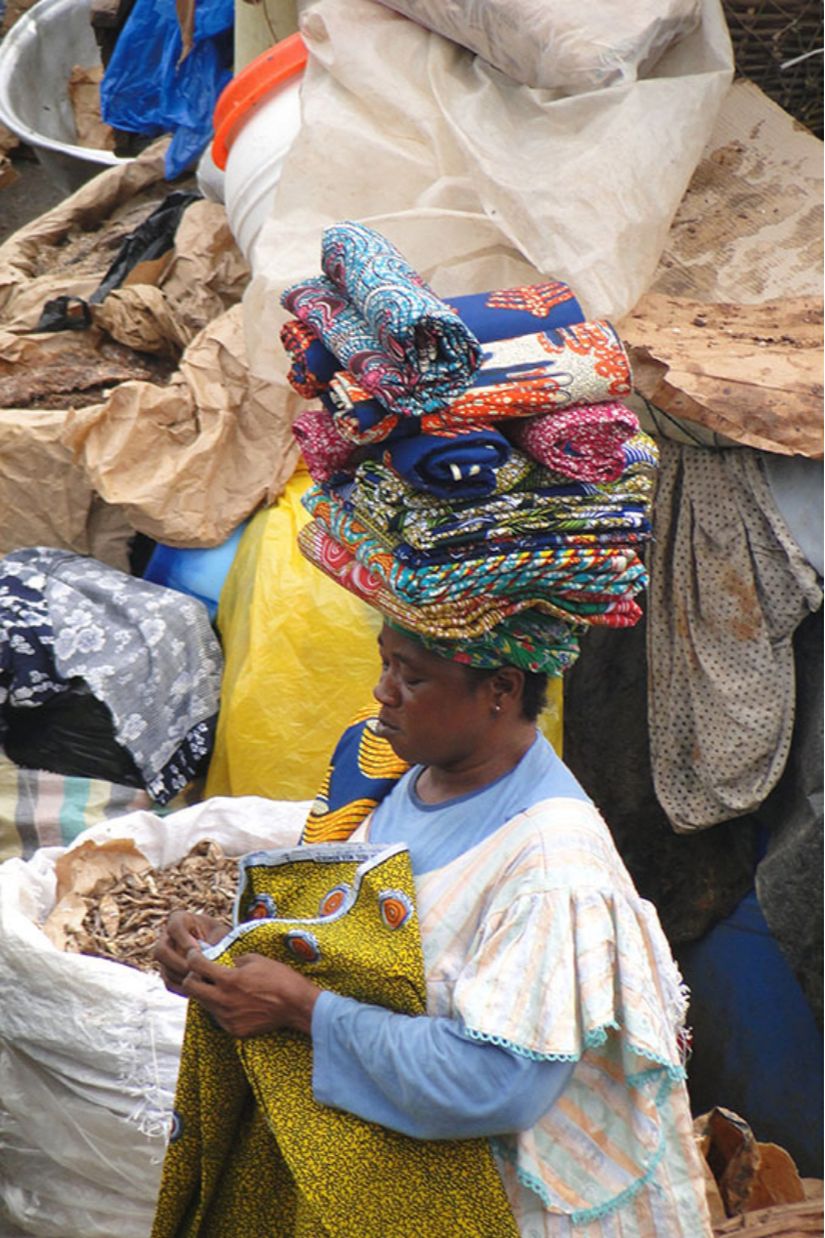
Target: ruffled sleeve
<point>554,972</point>
<point>564,961</point>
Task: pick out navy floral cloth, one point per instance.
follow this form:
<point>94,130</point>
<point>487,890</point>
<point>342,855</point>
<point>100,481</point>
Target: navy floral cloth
<point>147,652</point>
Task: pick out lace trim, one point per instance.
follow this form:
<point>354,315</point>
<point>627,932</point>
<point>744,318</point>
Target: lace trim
<point>585,1215</point>
<point>519,1050</point>
<point>593,1039</point>
<point>673,1073</point>
<point>666,1072</point>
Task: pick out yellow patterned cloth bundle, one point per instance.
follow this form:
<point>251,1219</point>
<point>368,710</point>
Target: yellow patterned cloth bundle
<point>253,1155</point>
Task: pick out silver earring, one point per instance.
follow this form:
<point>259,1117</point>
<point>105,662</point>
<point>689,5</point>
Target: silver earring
<point>496,709</point>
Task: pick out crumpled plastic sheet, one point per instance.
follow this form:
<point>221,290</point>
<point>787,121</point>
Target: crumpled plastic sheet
<point>479,181</point>
<point>155,84</point>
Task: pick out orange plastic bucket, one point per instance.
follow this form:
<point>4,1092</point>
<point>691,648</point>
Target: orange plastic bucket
<point>250,88</point>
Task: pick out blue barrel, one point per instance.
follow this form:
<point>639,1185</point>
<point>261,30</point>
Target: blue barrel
<point>200,573</point>
<point>757,1048</point>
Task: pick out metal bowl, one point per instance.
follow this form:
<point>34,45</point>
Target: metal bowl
<point>36,59</point>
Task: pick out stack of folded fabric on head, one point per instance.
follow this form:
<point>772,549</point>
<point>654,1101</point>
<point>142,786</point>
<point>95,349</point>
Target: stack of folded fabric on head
<point>477,479</point>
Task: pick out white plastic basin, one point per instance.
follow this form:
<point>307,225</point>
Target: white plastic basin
<point>254,165</point>
<point>256,120</point>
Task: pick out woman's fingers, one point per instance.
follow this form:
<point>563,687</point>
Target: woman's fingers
<point>254,996</point>
<point>181,933</point>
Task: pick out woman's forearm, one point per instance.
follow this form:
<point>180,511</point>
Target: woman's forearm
<point>421,1076</point>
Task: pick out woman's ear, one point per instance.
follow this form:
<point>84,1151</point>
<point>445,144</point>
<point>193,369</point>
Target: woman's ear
<point>507,688</point>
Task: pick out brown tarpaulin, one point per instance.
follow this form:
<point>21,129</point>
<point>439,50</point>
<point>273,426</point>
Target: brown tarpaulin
<point>752,373</point>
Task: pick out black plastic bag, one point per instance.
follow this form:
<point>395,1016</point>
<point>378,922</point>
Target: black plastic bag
<point>71,734</point>
<point>154,237</point>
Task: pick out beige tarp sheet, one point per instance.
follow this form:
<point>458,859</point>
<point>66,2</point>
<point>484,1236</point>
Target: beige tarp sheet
<point>189,461</point>
<point>45,497</point>
<point>748,232</point>
<point>29,257</point>
<point>750,372</point>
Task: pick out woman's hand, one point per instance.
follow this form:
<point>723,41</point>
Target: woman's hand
<point>254,996</point>
<point>184,931</point>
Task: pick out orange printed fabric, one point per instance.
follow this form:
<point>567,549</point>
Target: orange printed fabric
<point>547,371</point>
<point>581,364</point>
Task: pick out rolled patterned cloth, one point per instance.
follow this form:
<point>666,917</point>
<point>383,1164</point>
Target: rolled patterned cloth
<point>498,314</point>
<point>459,464</point>
<point>381,320</point>
<point>363,420</point>
<point>408,319</point>
<point>324,310</point>
<point>583,442</point>
<point>449,463</point>
<point>551,370</point>
<point>411,381</point>
<point>529,375</point>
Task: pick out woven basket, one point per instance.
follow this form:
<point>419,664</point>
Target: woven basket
<point>766,36</point>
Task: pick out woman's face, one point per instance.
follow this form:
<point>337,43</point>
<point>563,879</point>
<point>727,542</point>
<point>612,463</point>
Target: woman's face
<point>431,712</point>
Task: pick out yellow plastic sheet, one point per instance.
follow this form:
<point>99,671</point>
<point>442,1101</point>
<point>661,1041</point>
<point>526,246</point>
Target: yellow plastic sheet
<point>551,722</point>
<point>300,659</point>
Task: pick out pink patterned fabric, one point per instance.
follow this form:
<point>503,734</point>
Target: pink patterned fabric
<point>326,452</point>
<point>583,442</point>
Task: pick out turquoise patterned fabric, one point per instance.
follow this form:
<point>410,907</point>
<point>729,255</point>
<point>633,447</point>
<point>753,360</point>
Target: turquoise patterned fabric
<point>383,323</point>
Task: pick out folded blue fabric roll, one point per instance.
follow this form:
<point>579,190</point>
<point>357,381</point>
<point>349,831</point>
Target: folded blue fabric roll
<point>453,462</point>
<point>461,466</point>
<point>504,313</point>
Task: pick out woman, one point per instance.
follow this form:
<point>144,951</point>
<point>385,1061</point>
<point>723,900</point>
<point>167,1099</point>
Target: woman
<point>553,1005</point>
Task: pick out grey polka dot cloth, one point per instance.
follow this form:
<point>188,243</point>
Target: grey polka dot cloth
<point>729,585</point>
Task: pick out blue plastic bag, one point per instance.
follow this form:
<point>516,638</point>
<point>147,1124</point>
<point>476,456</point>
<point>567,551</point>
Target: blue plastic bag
<point>148,89</point>
<point>198,572</point>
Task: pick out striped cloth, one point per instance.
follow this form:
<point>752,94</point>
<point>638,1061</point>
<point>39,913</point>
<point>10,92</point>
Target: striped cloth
<point>41,809</point>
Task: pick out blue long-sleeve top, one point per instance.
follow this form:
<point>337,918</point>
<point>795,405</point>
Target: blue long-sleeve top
<point>419,1075</point>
